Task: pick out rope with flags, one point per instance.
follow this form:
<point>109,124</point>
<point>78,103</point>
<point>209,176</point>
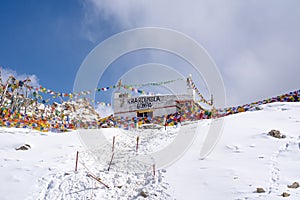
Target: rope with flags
<point>293,96</point>
<point>134,88</point>
<point>15,84</point>
<point>202,99</point>
<point>156,83</point>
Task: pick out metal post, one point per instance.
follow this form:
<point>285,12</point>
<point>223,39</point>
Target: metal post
<point>76,164</point>
<point>137,143</point>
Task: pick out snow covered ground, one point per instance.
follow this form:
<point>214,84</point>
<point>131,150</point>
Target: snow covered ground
<point>245,158</point>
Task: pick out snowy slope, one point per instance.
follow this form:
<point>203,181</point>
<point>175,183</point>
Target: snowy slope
<point>21,172</point>
<point>244,159</point>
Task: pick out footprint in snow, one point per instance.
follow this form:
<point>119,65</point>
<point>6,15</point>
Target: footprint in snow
<point>234,148</point>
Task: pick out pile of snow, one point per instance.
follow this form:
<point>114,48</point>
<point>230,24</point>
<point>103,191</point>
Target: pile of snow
<point>245,158</point>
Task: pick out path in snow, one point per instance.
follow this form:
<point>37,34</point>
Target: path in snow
<point>125,179</point>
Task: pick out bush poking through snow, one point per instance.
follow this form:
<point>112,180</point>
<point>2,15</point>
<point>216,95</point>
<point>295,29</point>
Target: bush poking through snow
<point>276,134</point>
<point>24,147</point>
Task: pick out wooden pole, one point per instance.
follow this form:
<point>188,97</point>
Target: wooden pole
<point>1,82</point>
<point>4,92</point>
<point>76,164</point>
<point>14,98</point>
<point>153,169</point>
<point>26,94</point>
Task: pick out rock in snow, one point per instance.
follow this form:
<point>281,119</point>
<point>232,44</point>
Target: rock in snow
<point>295,185</point>
<point>285,194</point>
<point>260,190</point>
<point>276,134</point>
<point>24,147</point>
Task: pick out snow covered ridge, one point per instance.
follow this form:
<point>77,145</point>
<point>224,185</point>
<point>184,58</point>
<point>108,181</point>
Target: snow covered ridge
<point>245,160</point>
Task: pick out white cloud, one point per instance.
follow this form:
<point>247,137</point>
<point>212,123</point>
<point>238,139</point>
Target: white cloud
<point>104,111</point>
<point>255,44</point>
<point>9,72</point>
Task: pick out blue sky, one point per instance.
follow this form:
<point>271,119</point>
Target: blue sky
<point>45,38</point>
<point>254,44</point>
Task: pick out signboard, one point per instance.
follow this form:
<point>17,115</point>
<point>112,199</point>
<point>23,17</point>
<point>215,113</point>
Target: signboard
<point>144,102</point>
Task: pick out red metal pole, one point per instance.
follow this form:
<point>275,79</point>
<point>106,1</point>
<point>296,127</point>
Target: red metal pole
<point>97,179</point>
<point>113,147</point>
<point>137,143</point>
<point>76,161</point>
<point>112,157</point>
